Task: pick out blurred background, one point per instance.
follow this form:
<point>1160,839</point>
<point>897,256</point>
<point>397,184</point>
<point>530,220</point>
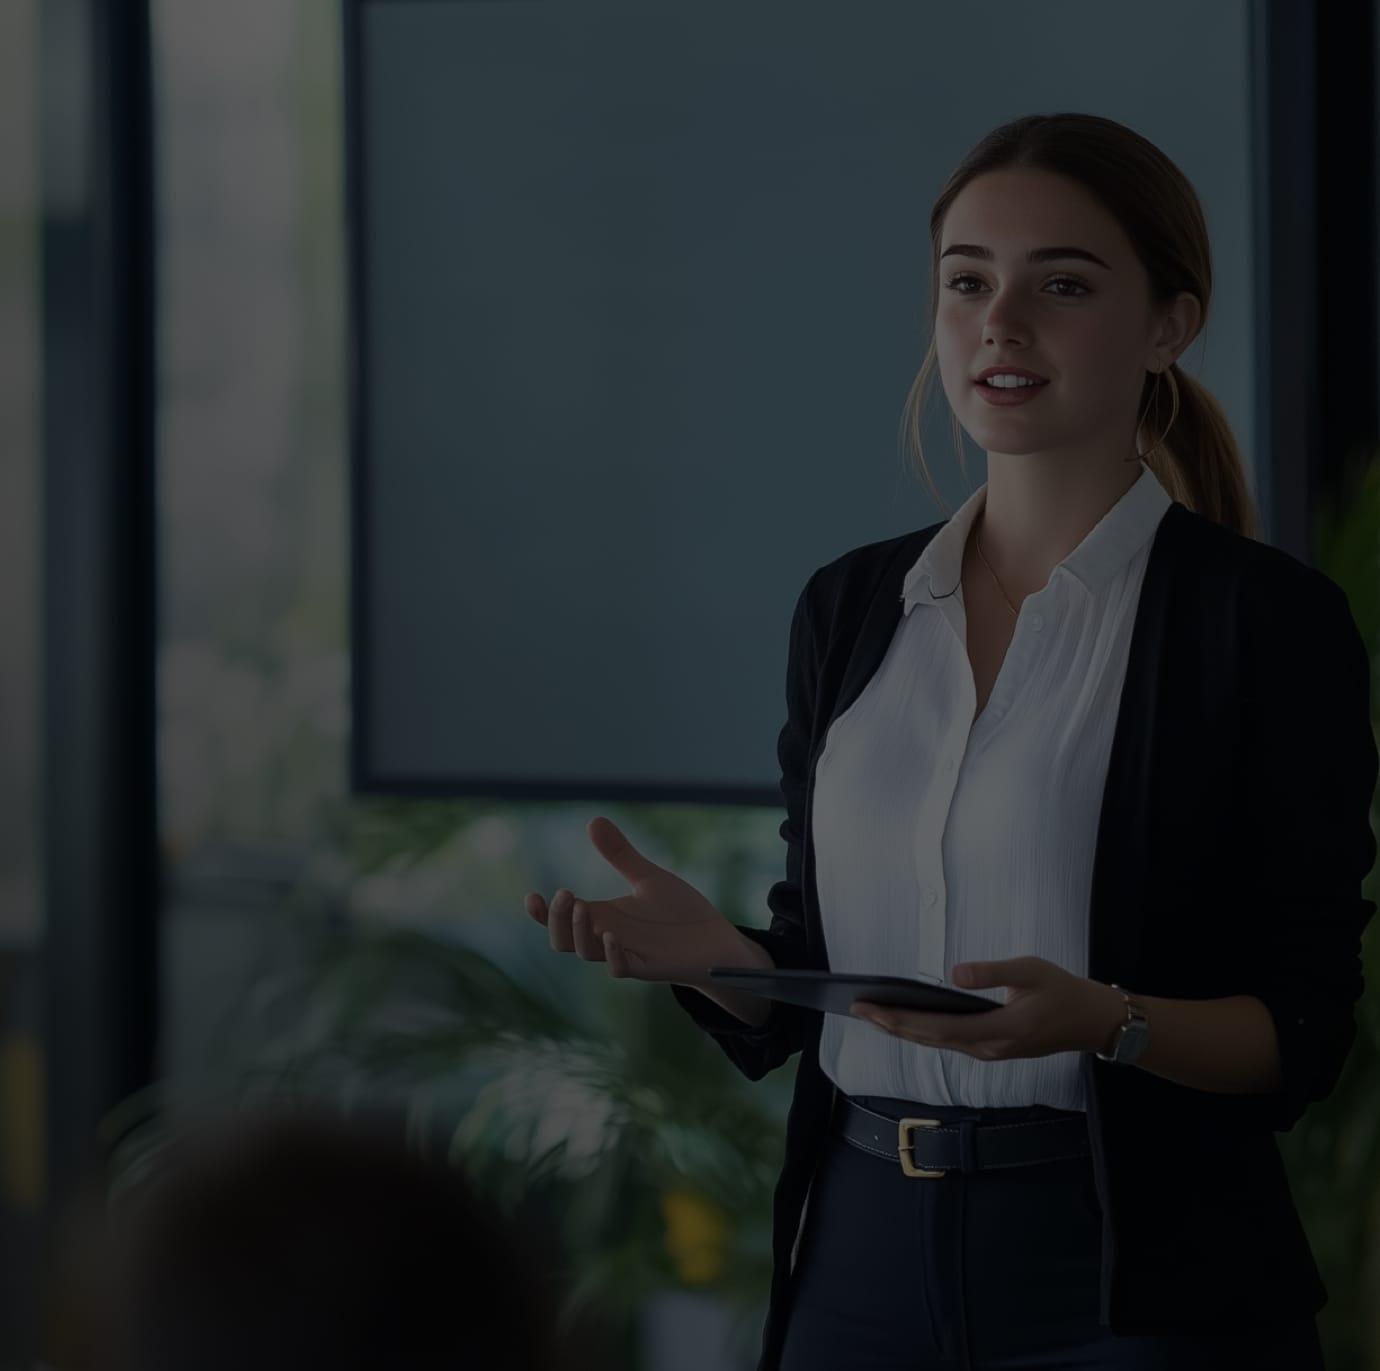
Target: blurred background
<point>206,895</point>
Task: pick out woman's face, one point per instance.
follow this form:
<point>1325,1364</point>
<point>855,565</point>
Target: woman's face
<point>1084,325</point>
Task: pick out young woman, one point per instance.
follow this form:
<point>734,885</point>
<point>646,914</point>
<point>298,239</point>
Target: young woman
<point>1088,748</point>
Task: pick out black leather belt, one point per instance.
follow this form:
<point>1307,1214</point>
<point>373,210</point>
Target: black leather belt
<point>927,1147</point>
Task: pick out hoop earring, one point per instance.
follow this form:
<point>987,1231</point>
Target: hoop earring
<point>1154,399</point>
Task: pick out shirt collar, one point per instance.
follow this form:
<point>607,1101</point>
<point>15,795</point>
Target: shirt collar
<point>1108,546</point>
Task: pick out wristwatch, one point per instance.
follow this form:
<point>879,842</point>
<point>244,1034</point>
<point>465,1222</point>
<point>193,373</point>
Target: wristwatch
<point>1131,1037</point>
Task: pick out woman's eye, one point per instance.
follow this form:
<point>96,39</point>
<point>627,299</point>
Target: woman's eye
<point>1081,287</point>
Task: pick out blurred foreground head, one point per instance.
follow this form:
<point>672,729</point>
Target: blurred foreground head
<point>305,1242</point>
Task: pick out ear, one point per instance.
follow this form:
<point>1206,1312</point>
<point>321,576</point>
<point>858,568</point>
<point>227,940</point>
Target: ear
<point>1179,326</point>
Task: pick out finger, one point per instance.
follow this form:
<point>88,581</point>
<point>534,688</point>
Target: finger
<point>917,1027</point>
<point>558,922</point>
<point>877,1018</point>
<point>613,846</point>
<point>615,956</point>
<point>888,1015</point>
<point>536,907</point>
<point>630,963</point>
<point>587,943</point>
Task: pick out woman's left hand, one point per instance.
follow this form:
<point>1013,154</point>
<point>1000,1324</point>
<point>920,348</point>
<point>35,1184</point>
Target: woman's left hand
<point>1048,1010</point>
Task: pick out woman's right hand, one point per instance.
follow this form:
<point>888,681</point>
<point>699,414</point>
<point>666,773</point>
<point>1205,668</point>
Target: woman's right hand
<point>663,930</point>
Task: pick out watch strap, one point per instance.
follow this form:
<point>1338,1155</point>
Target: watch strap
<point>1135,1020</point>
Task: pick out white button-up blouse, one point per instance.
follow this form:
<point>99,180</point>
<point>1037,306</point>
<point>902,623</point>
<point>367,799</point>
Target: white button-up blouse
<point>941,840</point>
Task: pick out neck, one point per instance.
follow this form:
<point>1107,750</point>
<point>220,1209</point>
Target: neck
<point>1033,517</point>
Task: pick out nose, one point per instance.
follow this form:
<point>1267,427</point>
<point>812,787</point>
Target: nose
<point>1002,330</point>
<point>1002,323</point>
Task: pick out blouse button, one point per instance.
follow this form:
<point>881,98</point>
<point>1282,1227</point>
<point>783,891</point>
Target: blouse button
<point>1037,622</point>
<point>930,895</point>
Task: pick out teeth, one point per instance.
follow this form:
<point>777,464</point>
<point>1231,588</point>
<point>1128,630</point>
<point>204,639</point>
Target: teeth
<point>1008,382</point>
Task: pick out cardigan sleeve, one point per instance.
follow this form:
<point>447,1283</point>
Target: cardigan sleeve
<point>757,1050</point>
<point>1311,771</point>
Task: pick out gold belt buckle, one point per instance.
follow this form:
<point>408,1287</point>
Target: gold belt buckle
<point>904,1145</point>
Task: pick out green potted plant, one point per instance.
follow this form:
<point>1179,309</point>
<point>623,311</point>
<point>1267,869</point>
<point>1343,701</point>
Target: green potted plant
<point>1333,1154</point>
<point>542,1077</point>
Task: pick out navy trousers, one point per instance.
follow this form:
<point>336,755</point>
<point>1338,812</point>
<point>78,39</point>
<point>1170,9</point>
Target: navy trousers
<point>991,1271</point>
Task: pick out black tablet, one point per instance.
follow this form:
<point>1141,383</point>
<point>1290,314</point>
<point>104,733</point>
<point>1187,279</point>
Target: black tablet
<point>835,991</point>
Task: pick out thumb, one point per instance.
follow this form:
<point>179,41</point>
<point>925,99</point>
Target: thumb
<point>984,975</point>
<point>620,854</point>
<point>976,975</point>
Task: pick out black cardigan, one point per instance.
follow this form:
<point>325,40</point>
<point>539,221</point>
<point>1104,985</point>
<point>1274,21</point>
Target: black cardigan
<point>1235,822</point>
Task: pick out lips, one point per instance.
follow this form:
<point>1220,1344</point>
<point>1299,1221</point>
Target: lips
<point>1006,396</point>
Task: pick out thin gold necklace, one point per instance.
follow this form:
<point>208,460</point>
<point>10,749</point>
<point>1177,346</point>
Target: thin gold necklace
<point>988,565</point>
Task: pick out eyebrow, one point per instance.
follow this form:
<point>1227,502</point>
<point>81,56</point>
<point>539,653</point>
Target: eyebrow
<point>1034,255</point>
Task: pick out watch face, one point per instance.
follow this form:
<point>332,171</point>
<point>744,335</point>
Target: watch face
<point>1134,1038</point>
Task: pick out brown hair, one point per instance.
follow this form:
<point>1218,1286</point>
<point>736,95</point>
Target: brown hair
<point>289,1239</point>
<point>1199,464</point>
